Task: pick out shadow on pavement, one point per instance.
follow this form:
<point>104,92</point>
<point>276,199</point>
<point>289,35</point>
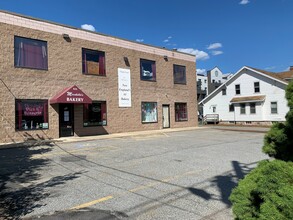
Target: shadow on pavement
<point>86,213</point>
<point>225,183</point>
<point>20,187</point>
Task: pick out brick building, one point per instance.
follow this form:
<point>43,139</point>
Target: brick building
<point>60,81</point>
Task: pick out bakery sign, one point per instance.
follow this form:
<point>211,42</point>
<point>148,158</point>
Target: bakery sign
<point>71,95</point>
<point>74,97</point>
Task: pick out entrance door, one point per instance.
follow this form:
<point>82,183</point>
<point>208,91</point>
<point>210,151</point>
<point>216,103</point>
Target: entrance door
<point>66,119</point>
<point>166,116</point>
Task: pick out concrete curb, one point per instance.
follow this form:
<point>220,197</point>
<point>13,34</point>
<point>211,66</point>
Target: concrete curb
<point>32,143</point>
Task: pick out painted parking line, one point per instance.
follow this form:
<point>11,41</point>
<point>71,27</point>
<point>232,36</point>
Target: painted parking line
<point>142,187</point>
<point>92,202</point>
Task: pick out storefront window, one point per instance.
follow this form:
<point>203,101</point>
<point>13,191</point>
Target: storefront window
<point>95,114</point>
<point>180,112</point>
<point>31,114</point>
<point>149,112</point>
<point>30,53</point>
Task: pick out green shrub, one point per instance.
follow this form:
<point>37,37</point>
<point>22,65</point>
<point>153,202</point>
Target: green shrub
<point>265,193</point>
<point>278,142</point>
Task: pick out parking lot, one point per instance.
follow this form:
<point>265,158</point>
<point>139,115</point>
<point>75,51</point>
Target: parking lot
<point>166,175</point>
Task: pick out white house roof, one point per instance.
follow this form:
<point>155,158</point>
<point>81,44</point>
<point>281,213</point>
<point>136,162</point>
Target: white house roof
<point>264,73</point>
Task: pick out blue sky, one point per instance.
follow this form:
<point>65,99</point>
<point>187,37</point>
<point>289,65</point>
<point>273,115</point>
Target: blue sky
<point>224,33</point>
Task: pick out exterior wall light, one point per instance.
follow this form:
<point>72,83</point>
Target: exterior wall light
<point>126,61</point>
<point>66,37</point>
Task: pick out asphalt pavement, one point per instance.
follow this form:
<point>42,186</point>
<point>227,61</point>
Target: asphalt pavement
<point>183,174</point>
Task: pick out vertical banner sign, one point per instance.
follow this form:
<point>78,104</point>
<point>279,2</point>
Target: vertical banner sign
<point>124,87</point>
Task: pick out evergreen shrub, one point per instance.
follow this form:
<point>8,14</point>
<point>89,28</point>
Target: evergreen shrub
<point>265,193</point>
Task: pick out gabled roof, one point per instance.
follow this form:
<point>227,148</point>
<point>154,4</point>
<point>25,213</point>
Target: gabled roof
<point>286,74</point>
<point>271,74</point>
<point>267,74</point>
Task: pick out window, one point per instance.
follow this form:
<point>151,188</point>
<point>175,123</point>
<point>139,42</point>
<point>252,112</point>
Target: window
<point>93,62</point>
<point>205,81</point>
<point>179,73</point>
<point>224,91</point>
<point>213,81</point>
<point>237,89</point>
<point>231,108</point>
<point>180,112</point>
<point>31,114</point>
<point>95,114</point>
<point>252,108</point>
<point>149,112</point>
<point>242,108</point>
<point>256,87</point>
<point>274,108</point>
<point>30,53</point>
<point>147,70</point>
<point>214,109</point>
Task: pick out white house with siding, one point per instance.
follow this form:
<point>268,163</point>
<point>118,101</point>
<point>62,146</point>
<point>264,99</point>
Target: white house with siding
<point>250,96</point>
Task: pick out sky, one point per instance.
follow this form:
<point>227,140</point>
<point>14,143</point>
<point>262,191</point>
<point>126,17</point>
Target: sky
<point>228,34</point>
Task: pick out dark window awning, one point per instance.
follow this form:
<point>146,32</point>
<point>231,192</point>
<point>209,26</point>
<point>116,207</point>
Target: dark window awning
<point>71,95</point>
<point>246,99</point>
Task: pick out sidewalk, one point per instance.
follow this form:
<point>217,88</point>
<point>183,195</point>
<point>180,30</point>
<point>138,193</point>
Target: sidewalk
<point>126,134</point>
<point>95,137</point>
<point>132,134</point>
<point>257,129</point>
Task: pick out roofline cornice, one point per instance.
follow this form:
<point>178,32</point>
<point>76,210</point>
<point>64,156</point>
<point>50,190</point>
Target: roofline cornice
<point>55,28</point>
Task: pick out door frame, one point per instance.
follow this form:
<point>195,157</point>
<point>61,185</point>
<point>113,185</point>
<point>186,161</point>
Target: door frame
<point>168,106</point>
<point>71,117</point>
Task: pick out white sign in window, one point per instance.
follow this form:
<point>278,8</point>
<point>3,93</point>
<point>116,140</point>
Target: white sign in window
<point>124,87</point>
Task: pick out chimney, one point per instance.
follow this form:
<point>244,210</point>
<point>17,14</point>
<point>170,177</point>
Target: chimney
<point>291,68</point>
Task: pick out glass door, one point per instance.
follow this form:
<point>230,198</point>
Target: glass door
<point>166,116</point>
<point>66,119</point>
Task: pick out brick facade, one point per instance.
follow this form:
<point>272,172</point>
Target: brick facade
<point>65,69</point>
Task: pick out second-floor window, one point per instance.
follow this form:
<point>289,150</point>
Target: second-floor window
<point>179,73</point>
<point>256,87</point>
<point>147,70</point>
<point>30,53</point>
<point>237,89</point>
<point>93,62</point>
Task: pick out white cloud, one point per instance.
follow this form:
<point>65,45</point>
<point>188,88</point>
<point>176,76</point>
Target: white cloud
<point>88,27</point>
<point>140,40</point>
<point>214,46</point>
<point>217,52</point>
<point>201,71</point>
<point>167,39</point>
<point>244,2</point>
<point>200,55</point>
<point>270,68</point>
